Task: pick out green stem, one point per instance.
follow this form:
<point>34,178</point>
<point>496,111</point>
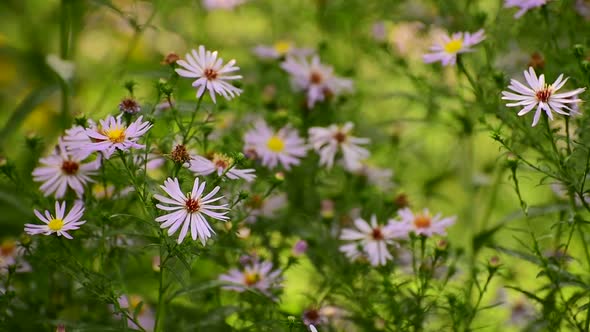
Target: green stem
<point>186,137</point>
<point>161,288</point>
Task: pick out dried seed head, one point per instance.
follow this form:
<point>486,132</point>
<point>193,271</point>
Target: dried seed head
<point>180,154</point>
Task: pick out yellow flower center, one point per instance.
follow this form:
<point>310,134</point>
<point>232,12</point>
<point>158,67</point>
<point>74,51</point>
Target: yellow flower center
<point>55,224</point>
<point>422,221</point>
<point>221,161</point>
<point>454,46</point>
<point>7,248</point>
<point>282,47</point>
<point>275,144</point>
<point>251,278</point>
<point>116,135</point>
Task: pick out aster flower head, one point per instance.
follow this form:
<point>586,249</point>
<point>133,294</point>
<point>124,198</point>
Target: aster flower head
<point>11,255</point>
<point>256,274</point>
<point>280,49</point>
<point>113,134</point>
<point>524,5</point>
<point>60,171</point>
<point>190,210</point>
<point>210,73</point>
<point>259,206</point>
<point>328,141</point>
<point>76,141</point>
<point>221,164</point>
<point>316,79</point>
<point>61,224</point>
<point>284,146</point>
<point>447,49</point>
<point>371,240</point>
<point>423,223</point>
<point>542,96</point>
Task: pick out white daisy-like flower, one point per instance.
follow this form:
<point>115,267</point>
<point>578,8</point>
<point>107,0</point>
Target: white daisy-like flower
<point>541,95</point>
<point>219,163</point>
<point>284,146</point>
<point>255,275</point>
<point>210,73</point>
<point>11,255</point>
<point>448,47</point>
<point>222,4</point>
<point>424,223</point>
<point>316,79</point>
<point>76,141</point>
<point>113,134</point>
<point>371,241</point>
<point>259,206</point>
<point>60,170</point>
<point>280,49</point>
<point>524,5</point>
<point>190,210</point>
<point>379,177</point>
<point>61,224</point>
<point>328,141</point>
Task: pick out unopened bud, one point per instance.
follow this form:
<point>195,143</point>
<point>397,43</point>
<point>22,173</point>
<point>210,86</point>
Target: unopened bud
<point>170,59</point>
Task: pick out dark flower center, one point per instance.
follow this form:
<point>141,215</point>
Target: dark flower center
<point>312,315</point>
<point>315,77</point>
<point>340,137</point>
<point>377,234</point>
<point>210,74</point>
<point>70,167</point>
<point>192,205</point>
<point>544,95</point>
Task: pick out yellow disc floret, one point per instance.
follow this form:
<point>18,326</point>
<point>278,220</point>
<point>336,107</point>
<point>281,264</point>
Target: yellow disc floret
<point>454,46</point>
<point>275,144</point>
<point>55,224</point>
<point>116,135</point>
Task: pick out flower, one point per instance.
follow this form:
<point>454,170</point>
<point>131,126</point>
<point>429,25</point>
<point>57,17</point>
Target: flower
<point>371,240</point>
<point>129,105</point>
<point>541,95</point>
<point>315,78</point>
<point>524,5</point>
<point>209,73</point>
<point>76,141</point>
<point>145,315</point>
<point>61,170</point>
<point>379,177</point>
<point>112,134</point>
<point>222,4</point>
<point>255,275</point>
<point>189,210</point>
<point>280,49</point>
<point>425,224</point>
<point>312,328</point>
<point>58,224</point>
<point>447,49</point>
<point>259,206</point>
<point>11,255</point>
<point>299,248</point>
<point>284,146</point>
<point>328,141</point>
<point>221,164</point>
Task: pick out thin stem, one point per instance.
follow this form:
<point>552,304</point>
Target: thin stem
<point>186,137</point>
